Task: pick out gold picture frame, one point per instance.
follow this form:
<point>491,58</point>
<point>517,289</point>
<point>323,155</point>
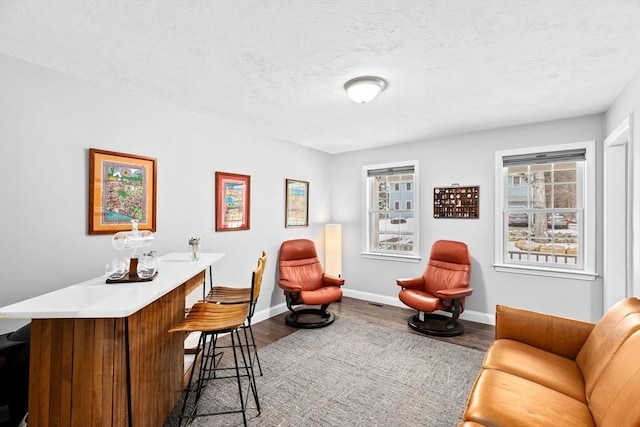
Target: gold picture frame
<point>122,187</point>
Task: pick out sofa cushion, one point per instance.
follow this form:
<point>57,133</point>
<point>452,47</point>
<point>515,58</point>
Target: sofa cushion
<point>550,370</point>
<point>616,326</point>
<point>615,400</point>
<point>502,399</point>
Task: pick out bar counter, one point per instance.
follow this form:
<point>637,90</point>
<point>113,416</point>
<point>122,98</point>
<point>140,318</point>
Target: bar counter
<point>100,354</point>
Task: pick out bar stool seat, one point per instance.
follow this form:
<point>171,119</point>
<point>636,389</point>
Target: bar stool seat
<point>211,320</point>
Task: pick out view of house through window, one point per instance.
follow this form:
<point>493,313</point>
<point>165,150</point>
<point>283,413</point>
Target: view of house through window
<point>543,215</point>
<point>390,206</point>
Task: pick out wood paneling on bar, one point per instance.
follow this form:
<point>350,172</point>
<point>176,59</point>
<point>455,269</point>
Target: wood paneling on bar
<point>78,366</point>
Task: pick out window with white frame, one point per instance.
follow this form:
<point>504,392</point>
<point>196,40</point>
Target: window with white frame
<point>391,224</point>
<point>546,197</point>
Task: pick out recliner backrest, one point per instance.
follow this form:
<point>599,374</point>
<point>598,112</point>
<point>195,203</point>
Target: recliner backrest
<point>299,263</point>
<point>449,266</point>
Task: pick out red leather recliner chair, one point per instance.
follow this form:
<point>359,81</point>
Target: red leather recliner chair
<point>304,282</point>
<point>443,286</point>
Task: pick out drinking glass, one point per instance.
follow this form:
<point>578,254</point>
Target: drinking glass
<point>116,269</point>
<point>147,265</point>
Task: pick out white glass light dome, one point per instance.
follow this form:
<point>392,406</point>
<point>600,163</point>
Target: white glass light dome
<point>364,89</point>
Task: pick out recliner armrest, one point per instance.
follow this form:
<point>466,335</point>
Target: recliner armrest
<point>558,335</point>
<point>454,293</point>
<point>289,286</point>
<point>329,280</point>
<point>411,283</point>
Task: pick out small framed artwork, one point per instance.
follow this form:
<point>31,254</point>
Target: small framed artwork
<point>297,203</point>
<point>456,202</point>
<point>122,187</point>
<point>233,201</point>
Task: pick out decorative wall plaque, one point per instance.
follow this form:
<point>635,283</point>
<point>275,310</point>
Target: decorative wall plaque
<point>456,202</point>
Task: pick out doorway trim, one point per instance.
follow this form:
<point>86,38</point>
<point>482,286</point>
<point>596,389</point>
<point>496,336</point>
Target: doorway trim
<point>621,136</point>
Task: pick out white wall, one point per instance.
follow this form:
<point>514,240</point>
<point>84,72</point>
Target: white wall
<point>49,121</point>
<point>467,160</point>
<point>628,103</point>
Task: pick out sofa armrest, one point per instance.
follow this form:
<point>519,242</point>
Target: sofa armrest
<point>558,335</point>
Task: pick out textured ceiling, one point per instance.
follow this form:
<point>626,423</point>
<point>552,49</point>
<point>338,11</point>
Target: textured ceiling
<point>279,66</point>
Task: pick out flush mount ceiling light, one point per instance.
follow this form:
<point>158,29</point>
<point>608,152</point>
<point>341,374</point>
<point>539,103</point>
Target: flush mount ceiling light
<point>364,89</point>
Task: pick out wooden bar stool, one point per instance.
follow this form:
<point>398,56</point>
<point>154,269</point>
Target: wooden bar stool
<point>212,320</point>
<point>231,295</point>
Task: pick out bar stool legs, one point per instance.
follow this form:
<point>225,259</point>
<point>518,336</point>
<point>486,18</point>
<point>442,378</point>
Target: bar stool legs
<point>208,371</point>
<point>213,320</point>
<point>214,368</point>
<point>252,344</point>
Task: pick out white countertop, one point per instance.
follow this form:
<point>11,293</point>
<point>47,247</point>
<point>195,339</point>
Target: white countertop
<point>96,299</point>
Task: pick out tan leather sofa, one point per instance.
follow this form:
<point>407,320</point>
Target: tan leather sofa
<point>545,370</point>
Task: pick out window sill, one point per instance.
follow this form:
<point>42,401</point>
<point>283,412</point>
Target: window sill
<point>391,257</point>
<point>547,272</point>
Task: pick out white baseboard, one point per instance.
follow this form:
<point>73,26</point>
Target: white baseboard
<point>269,312</point>
<point>473,316</point>
<point>479,317</point>
<point>367,296</point>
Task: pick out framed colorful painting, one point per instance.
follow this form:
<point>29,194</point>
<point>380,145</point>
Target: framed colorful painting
<point>233,201</point>
<point>297,203</point>
<point>122,187</point>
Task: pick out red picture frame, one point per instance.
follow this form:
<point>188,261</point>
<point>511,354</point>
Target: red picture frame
<point>233,201</point>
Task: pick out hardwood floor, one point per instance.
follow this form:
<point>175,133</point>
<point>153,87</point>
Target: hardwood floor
<point>477,335</point>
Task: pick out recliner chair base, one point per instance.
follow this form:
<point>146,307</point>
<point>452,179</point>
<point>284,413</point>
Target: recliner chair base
<point>436,324</point>
<point>309,318</point>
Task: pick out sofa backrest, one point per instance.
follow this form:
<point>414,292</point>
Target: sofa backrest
<point>615,399</point>
<point>605,340</point>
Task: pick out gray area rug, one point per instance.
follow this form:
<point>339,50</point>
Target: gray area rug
<point>352,373</point>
